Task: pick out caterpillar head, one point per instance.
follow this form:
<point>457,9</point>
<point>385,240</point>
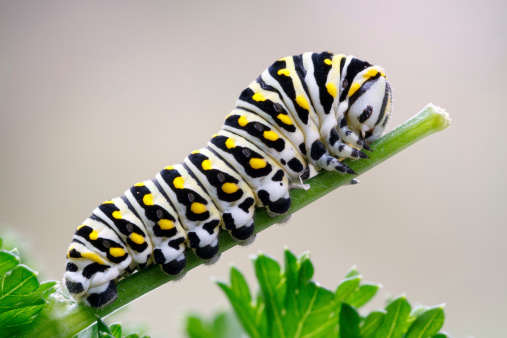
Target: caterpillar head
<point>367,99</point>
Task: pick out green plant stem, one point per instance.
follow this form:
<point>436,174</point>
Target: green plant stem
<point>62,318</point>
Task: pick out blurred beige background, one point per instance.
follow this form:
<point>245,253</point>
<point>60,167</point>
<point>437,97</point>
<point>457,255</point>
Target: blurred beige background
<point>95,96</point>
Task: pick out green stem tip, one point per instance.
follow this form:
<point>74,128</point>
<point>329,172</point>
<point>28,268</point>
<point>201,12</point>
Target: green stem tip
<point>63,317</point>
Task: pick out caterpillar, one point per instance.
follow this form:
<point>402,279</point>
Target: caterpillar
<point>308,110</point>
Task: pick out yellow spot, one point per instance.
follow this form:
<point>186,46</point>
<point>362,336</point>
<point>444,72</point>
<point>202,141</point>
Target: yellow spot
<point>242,121</point>
<point>230,188</point>
<point>285,119</point>
<point>258,163</point>
<point>79,227</point>
<point>283,59</point>
<point>258,97</point>
<point>165,224</point>
<point>206,165</point>
<point>136,238</point>
<point>302,102</point>
<point>331,89</point>
<point>140,184</point>
<point>214,135</point>
<point>116,252</point>
<point>179,182</point>
<point>383,74</point>
<point>355,86</point>
<point>230,143</point>
<point>93,257</point>
<point>107,202</point>
<point>328,62</point>
<point>198,208</point>
<point>68,251</point>
<point>169,167</point>
<point>117,214</point>
<point>370,73</point>
<point>148,199</point>
<point>93,235</point>
<point>195,152</point>
<point>270,135</point>
<point>284,72</point>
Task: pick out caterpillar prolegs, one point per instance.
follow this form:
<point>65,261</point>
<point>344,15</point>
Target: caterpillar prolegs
<point>304,110</point>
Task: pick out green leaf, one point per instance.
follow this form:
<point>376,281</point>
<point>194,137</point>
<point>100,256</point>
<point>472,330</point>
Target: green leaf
<point>371,324</point>
<point>362,295</point>
<point>427,324</point>
<point>116,330</point>
<point>8,261</point>
<point>347,287</point>
<point>224,325</point>
<point>239,286</point>
<point>349,322</point>
<point>196,328</point>
<point>14,321</point>
<point>395,322</point>
<point>102,327</point>
<point>16,285</point>
<point>353,272</point>
<point>272,286</point>
<point>254,323</point>
<point>441,335</point>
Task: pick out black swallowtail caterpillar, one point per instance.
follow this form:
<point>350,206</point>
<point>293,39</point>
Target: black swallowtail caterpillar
<point>305,110</point>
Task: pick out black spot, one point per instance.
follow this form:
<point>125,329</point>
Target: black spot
<point>174,267</point>
<point>74,287</point>
<point>228,221</point>
<point>318,149</point>
<point>334,136</point>
<point>175,243</point>
<point>296,165</point>
<point>158,256</point>
<point>264,197</point>
<point>341,147</point>
<point>282,161</point>
<point>366,114</point>
<point>343,123</point>
<point>71,267</point>
<point>193,239</point>
<point>278,176</point>
<point>93,268</point>
<point>210,226</point>
<point>243,232</point>
<point>246,204</point>
<point>302,148</point>
<point>104,298</point>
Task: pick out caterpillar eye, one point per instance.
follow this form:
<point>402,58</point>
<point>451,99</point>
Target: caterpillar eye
<point>278,107</point>
<point>106,244</point>
<point>160,213</point>
<point>191,197</point>
<point>345,83</point>
<point>258,126</point>
<point>221,177</point>
<point>129,227</point>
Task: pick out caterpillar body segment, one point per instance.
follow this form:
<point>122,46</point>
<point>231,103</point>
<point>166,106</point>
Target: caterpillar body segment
<point>305,111</point>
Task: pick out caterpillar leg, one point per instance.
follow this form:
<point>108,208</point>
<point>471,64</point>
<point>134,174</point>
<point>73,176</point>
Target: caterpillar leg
<point>96,257</point>
<point>266,178</point>
<point>196,211</point>
<point>230,193</point>
<point>162,224</point>
<point>102,295</point>
<point>349,136</point>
